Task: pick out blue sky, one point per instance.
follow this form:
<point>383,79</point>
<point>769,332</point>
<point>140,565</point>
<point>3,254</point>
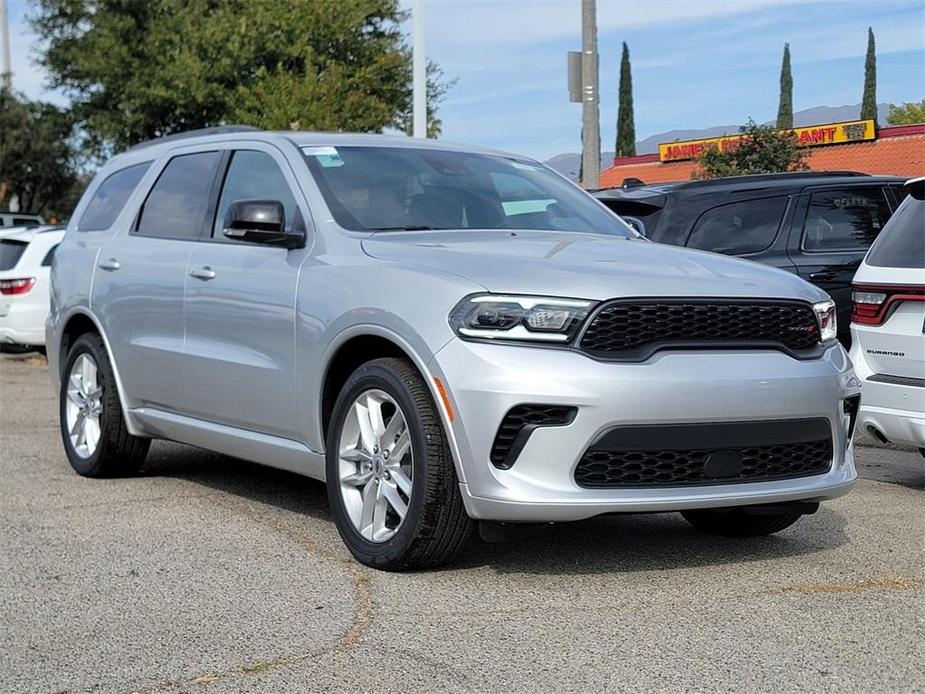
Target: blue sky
<point>696,63</point>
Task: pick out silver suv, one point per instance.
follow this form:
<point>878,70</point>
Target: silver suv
<point>444,335</point>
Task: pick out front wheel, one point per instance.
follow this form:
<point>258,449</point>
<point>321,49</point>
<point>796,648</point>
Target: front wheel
<point>737,522</point>
<point>96,439</point>
<point>391,481</point>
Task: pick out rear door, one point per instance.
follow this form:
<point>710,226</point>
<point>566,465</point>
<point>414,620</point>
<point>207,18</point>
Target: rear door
<point>832,230</point>
<point>141,271</point>
<point>240,306</point>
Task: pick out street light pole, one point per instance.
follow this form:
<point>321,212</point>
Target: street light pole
<point>6,69</point>
<point>590,107</point>
<point>419,72</point>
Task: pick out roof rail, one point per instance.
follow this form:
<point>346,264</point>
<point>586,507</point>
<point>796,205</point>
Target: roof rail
<point>760,178</point>
<point>199,132</point>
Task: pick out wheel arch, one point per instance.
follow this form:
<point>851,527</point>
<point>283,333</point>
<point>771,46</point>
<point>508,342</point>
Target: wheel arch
<point>360,344</point>
<point>79,322</point>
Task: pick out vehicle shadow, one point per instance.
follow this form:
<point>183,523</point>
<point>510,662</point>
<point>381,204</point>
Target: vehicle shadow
<point>649,542</point>
<point>616,543</point>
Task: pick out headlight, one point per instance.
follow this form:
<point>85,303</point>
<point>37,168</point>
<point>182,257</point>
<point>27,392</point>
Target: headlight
<point>519,318</point>
<point>825,316</point>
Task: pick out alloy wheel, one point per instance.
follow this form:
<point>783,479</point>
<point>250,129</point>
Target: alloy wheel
<point>375,465</point>
<point>84,406</point>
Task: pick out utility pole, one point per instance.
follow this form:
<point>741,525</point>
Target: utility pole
<point>6,68</point>
<point>590,107</point>
<point>419,72</point>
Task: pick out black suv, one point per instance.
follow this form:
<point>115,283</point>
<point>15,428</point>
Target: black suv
<point>816,224</point>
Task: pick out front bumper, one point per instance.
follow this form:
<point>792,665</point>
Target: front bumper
<point>484,381</point>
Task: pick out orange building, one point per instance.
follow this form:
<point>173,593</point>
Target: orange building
<point>854,146</point>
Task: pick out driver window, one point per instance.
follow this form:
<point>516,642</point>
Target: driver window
<point>253,175</point>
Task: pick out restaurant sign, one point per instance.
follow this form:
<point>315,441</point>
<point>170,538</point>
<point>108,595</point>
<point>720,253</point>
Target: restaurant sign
<point>810,136</point>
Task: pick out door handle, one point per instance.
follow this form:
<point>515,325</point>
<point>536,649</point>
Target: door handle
<point>202,273</point>
<point>822,276</point>
<point>110,264</point>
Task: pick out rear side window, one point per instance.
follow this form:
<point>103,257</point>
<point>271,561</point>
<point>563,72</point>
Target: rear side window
<point>25,221</point>
<point>902,243</point>
<point>176,205</point>
<point>110,198</point>
<point>844,220</point>
<point>10,253</point>
<point>740,227</point>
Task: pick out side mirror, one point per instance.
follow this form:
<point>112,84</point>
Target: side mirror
<point>636,223</point>
<point>260,221</point>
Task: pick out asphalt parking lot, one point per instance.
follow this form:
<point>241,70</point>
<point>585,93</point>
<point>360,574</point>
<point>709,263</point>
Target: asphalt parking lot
<point>207,574</point>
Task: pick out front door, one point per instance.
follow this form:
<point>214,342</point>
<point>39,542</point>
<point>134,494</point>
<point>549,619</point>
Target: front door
<point>240,309</point>
<point>139,280</point>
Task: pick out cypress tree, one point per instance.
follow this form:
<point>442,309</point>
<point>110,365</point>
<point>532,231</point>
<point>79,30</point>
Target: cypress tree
<point>785,109</point>
<point>626,129</point>
<point>869,102</point>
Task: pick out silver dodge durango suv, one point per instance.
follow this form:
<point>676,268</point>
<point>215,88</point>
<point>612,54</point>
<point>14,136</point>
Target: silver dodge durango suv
<point>445,335</point>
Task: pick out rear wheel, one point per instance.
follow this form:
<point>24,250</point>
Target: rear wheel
<point>737,522</point>
<point>391,480</point>
<point>96,439</point>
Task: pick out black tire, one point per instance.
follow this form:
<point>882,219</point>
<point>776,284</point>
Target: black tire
<point>735,522</point>
<point>118,453</point>
<point>436,524</point>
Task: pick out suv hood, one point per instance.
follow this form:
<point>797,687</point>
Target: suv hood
<point>587,266</point>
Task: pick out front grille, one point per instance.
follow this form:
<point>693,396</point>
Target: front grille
<point>635,329</point>
<point>711,453</point>
<point>519,423</point>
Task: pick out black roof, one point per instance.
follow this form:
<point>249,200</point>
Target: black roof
<point>779,181</point>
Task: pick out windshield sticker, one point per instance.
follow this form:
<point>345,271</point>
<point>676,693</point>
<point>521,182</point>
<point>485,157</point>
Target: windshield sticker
<point>524,167</point>
<point>326,156</point>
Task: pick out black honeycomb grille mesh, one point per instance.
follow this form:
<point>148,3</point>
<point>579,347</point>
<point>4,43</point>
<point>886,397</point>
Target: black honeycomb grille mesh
<point>609,469</point>
<point>636,329</point>
<point>519,418</point>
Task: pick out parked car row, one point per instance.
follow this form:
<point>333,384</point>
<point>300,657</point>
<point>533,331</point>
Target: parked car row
<point>817,225</point>
<point>451,337</point>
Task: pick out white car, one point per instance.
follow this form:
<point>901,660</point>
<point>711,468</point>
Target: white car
<point>25,263</point>
<point>17,219</point>
<point>888,326</point>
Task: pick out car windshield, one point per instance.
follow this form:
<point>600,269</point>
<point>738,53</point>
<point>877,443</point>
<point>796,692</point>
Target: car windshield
<point>406,188</point>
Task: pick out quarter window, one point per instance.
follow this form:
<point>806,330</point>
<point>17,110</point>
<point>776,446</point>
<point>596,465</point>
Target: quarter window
<point>110,198</point>
<point>46,261</point>
<point>253,175</point>
<point>902,243</point>
<point>176,205</point>
<point>844,220</point>
<point>740,227</point>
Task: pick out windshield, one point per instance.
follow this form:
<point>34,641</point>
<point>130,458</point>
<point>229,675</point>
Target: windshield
<point>397,188</point>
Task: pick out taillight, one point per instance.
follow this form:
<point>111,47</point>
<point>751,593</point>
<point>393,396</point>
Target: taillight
<point>17,286</point>
<point>872,304</point>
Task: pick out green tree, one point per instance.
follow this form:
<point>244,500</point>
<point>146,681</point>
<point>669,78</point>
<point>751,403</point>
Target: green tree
<point>907,113</point>
<point>626,128</point>
<point>38,165</point>
<point>869,102</point>
<point>785,108</point>
<point>137,70</point>
<point>762,149</point>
